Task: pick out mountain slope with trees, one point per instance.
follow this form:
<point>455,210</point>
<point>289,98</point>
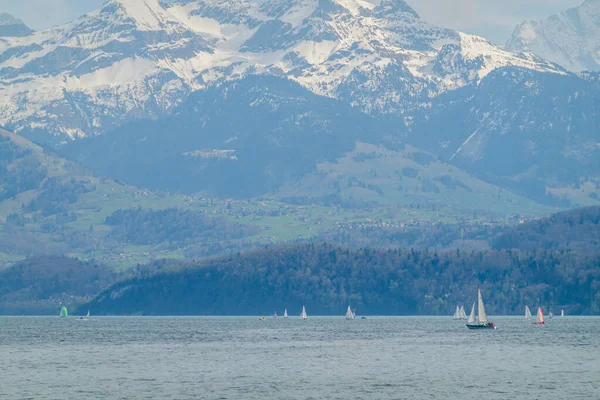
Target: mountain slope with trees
<point>326,278</point>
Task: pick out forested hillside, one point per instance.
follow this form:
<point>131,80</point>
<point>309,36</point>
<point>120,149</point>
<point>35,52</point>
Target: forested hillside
<point>575,229</point>
<point>40,285</point>
<point>326,278</point>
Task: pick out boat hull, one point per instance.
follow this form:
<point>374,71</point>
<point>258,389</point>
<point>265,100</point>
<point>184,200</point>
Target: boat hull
<point>481,326</point>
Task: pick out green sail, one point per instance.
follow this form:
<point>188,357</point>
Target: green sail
<point>63,312</point>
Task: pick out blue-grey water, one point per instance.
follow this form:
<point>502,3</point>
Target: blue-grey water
<point>322,358</point>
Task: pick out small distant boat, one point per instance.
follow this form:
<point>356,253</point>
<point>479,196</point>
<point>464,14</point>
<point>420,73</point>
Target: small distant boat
<point>262,319</point>
<point>527,313</point>
<point>463,315</point>
<point>550,314</point>
<point>349,314</point>
<point>285,313</point>
<point>63,312</point>
<point>562,313</point>
<point>481,321</point>
<point>457,314</point>
<point>275,315</point>
<point>86,317</point>
<point>540,317</point>
<point>303,314</point>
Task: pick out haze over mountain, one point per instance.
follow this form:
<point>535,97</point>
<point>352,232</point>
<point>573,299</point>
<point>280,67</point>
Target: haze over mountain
<point>570,38</point>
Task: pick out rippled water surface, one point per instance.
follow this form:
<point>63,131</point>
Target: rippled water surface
<point>322,358</point>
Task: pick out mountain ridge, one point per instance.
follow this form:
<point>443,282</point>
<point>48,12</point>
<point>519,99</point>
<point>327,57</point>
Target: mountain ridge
<point>133,59</point>
<point>570,38</point>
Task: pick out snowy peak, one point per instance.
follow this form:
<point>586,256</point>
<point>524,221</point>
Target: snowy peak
<point>141,58</point>
<point>13,27</point>
<point>145,14</point>
<point>570,38</point>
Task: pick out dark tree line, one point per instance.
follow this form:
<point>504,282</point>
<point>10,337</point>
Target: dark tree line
<point>39,285</point>
<point>575,229</point>
<point>326,278</point>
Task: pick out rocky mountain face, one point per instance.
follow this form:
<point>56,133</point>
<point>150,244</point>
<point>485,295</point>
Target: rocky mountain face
<point>571,38</point>
<point>241,139</point>
<point>518,128</point>
<point>141,58</point>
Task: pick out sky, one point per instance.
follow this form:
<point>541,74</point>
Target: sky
<point>493,19</point>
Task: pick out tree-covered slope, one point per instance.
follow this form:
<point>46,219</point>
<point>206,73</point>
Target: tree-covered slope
<point>40,285</point>
<point>327,278</point>
<point>570,230</point>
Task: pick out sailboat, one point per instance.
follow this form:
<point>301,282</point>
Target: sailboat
<point>481,321</point>
<point>275,315</point>
<point>86,317</point>
<point>285,313</point>
<point>540,317</point>
<point>550,314</point>
<point>463,315</point>
<point>457,313</point>
<point>562,313</point>
<point>527,313</point>
<point>63,312</point>
<point>303,315</point>
<point>349,313</point>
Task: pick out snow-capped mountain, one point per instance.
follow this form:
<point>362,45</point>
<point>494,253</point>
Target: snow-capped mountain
<point>141,58</point>
<point>13,27</point>
<point>571,38</point>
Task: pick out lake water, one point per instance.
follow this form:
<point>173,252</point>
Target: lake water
<point>322,358</point>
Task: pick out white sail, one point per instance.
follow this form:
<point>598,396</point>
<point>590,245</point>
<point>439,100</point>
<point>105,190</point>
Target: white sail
<point>481,314</point>
<point>463,314</point>
<point>456,313</point>
<point>349,313</point>
<point>540,315</point>
<point>88,314</point>
<point>285,313</point>
<point>472,316</point>
<point>562,313</point>
<point>527,313</point>
<point>303,315</point>
<point>275,314</point>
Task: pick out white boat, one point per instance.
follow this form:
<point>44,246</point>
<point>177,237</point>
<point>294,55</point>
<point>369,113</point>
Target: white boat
<point>550,314</point>
<point>349,313</point>
<point>463,315</point>
<point>472,317</point>
<point>303,315</point>
<point>457,313</point>
<point>285,313</point>
<point>562,313</point>
<point>527,313</point>
<point>86,317</point>
<point>275,315</point>
<point>481,321</point>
